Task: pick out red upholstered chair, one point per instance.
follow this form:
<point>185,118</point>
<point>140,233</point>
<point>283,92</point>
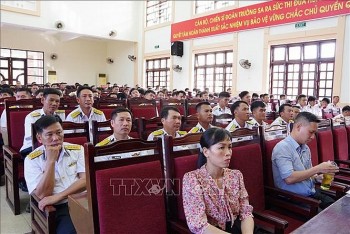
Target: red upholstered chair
<point>191,106</point>
<point>141,107</point>
<point>177,164</point>
<point>179,104</point>
<point>327,113</point>
<point>188,122</point>
<point>16,111</point>
<point>222,120</point>
<point>146,126</point>
<point>126,195</point>
<point>247,157</point>
<point>341,144</point>
<point>108,104</point>
<point>270,117</point>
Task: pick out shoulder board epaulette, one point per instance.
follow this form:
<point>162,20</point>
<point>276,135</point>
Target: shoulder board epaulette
<point>181,133</point>
<point>35,154</point>
<point>98,112</point>
<point>232,128</point>
<point>13,107</point>
<point>291,121</point>
<point>251,122</point>
<point>72,147</point>
<point>104,142</point>
<point>75,114</point>
<point>35,114</point>
<point>60,111</point>
<point>158,132</point>
<point>194,130</point>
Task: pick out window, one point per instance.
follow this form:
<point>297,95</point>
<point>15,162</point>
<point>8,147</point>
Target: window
<point>213,71</point>
<point>157,12</point>
<point>21,65</point>
<point>303,68</point>
<point>158,72</point>
<point>204,6</point>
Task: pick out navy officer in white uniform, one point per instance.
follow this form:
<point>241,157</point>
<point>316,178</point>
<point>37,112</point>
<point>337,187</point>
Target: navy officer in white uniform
<point>55,170</point>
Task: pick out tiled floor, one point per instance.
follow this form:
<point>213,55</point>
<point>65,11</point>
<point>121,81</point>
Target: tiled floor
<point>11,223</point>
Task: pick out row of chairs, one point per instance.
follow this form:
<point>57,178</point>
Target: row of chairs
<point>159,207</point>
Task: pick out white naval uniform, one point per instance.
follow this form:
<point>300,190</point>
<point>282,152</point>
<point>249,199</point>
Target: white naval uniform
<point>316,110</point>
<point>217,110</point>
<point>278,121</point>
<point>78,116</point>
<point>69,164</point>
<point>198,128</point>
<point>32,117</point>
<point>234,125</point>
<point>110,140</point>
<point>256,123</point>
<point>161,133</point>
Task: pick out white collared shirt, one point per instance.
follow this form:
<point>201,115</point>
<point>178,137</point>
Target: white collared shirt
<point>69,164</point>
<point>217,110</point>
<point>279,121</point>
<point>32,117</point>
<point>234,125</point>
<point>198,128</point>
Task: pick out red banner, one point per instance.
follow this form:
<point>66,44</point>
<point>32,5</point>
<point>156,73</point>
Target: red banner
<point>259,15</point>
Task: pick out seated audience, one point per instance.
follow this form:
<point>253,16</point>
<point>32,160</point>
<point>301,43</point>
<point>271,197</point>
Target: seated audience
<point>285,115</point>
<point>302,102</point>
<point>334,104</point>
<point>180,95</point>
<point>258,109</point>
<point>312,107</point>
<point>222,106</point>
<point>6,93</point>
<point>214,197</point>
<point>149,94</point>
<point>55,170</point>
<point>240,111</point>
<point>291,161</point>
<point>245,96</point>
<point>324,103</point>
<point>205,117</point>
<point>204,96</point>
<point>296,111</point>
<point>345,114</point>
<point>266,99</point>
<point>134,93</point>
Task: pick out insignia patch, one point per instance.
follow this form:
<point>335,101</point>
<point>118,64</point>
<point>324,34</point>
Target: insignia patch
<point>75,114</point>
<point>194,130</point>
<point>158,132</point>
<point>35,114</point>
<point>181,133</point>
<point>35,154</point>
<point>98,112</point>
<point>72,147</point>
<point>60,111</point>
<point>72,164</point>
<point>232,128</point>
<point>104,142</point>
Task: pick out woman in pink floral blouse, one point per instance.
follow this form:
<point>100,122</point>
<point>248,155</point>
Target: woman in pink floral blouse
<point>215,196</point>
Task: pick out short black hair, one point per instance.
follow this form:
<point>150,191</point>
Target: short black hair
<point>282,107</point>
<point>257,104</point>
<point>38,91</point>
<point>311,99</point>
<point>7,90</point>
<point>296,107</point>
<point>306,116</point>
<point>165,111</point>
<point>120,110</point>
<point>46,121</point>
<point>202,93</point>
<point>242,94</point>
<point>326,100</point>
<point>346,108</point>
<point>255,95</point>
<point>200,104</point>
<point>224,94</point>
<point>236,105</point>
<point>301,96</point>
<point>24,90</point>
<point>180,91</point>
<point>149,91</point>
<point>48,91</point>
<point>81,88</point>
<point>282,95</point>
<point>132,89</point>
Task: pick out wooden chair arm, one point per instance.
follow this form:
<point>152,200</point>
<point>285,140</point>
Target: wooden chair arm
<point>8,151</point>
<point>293,196</point>
<point>279,224</point>
<point>48,209</point>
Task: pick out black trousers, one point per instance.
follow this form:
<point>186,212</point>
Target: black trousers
<point>64,224</point>
<point>325,199</point>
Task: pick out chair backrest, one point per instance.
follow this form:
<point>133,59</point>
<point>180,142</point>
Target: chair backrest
<point>178,163</point>
<point>247,158</point>
<point>325,144</point>
<point>222,120</point>
<point>109,103</point>
<point>16,111</point>
<point>74,133</point>
<point>270,117</point>
<point>314,151</point>
<point>126,195</point>
<point>146,126</point>
<point>191,106</point>
<point>188,122</point>
<point>179,104</point>
<point>141,107</point>
<point>327,113</point>
<point>340,138</point>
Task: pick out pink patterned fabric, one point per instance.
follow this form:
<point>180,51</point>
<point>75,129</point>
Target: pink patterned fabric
<point>205,203</point>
